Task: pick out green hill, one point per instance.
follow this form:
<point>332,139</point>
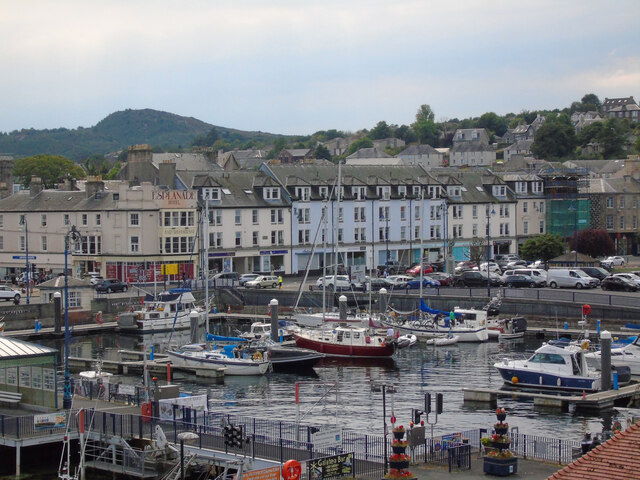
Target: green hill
<point>116,132</point>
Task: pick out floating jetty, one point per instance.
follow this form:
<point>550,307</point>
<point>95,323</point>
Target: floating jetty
<point>593,402</point>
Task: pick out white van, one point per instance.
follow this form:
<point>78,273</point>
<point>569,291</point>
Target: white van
<point>538,275</point>
<point>570,278</point>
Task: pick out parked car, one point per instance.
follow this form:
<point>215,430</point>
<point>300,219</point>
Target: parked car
<point>426,283</point>
<point>374,284</point>
<point>617,283</point>
<point>464,266</point>
<point>392,267</point>
<point>398,281</point>
<point>570,278</point>
<point>438,266</point>
<point>614,261</point>
<point>629,276</point>
<point>245,277</point>
<point>111,285</point>
<point>596,272</point>
<point>537,273</point>
<point>415,270</point>
<point>474,278</point>
<point>7,293</point>
<point>93,277</point>
<point>517,281</point>
<point>263,281</point>
<point>337,282</point>
<point>493,267</point>
<point>516,264</point>
<point>444,279</point>
<point>504,259</point>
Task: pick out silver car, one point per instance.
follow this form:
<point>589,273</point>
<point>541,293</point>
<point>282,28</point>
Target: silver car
<point>7,293</point>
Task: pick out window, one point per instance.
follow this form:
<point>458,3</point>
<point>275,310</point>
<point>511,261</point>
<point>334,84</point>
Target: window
<point>340,235</point>
<point>255,237</point>
<point>525,207</point>
<point>403,234</point>
<point>416,212</point>
<point>280,237</point>
<point>416,190</point>
<point>499,190</point>
<point>303,236</point>
<point>609,202</point>
<point>43,220</point>
<point>211,193</point>
<point>384,192</point>
<point>1,243</point>
<point>403,212</point>
<point>635,222</point>
<point>238,217</point>
<point>416,231</point>
<point>635,204</point>
<point>254,216</point>
<point>44,243</point>
<point>474,211</point>
<point>474,230</point>
<point>274,237</point>
<point>621,223</point>
<point>219,239</point>
<point>74,299</point>
<point>324,192</point>
<point>621,202</point>
<point>541,207</point>
<point>383,213</point>
<point>536,187</point>
<point>521,187</point>
<point>541,226</point>
<point>84,220</point>
<point>22,243</point>
<point>402,190</point>
<point>359,214</point>
<point>91,245</point>
<point>271,193</point>
<point>277,216</point>
<point>381,231</point>
<point>457,211</point>
<point>98,219</point>
<point>1,221</point>
<point>525,227</point>
<point>506,211</point>
<point>340,214</point>
<point>134,244</point>
<point>359,234</point>
<point>238,239</point>
<point>303,193</point>
<point>134,219</point>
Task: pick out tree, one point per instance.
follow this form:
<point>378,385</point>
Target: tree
<point>51,169</point>
<point>543,247</point>
<point>405,133</point>
<point>278,145</point>
<point>478,250</point>
<point>364,142</point>
<point>322,152</point>
<point>97,165</point>
<point>206,140</point>
<point>493,123</point>
<point>591,102</point>
<point>425,113</point>
<point>611,138</point>
<point>380,131</point>
<point>556,138</point>
<point>596,243</point>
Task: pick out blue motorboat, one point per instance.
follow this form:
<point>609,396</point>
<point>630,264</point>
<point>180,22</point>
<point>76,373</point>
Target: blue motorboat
<point>551,367</point>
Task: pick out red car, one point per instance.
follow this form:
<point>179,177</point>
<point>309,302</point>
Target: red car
<point>415,270</point>
<point>444,279</point>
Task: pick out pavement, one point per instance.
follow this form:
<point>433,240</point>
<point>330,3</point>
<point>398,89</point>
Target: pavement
<point>529,469</point>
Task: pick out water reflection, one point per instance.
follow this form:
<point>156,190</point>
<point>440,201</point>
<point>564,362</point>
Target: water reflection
<point>414,372</point>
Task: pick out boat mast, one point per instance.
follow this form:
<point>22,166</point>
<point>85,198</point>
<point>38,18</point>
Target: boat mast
<point>421,237</point>
<point>206,263</point>
<point>336,222</point>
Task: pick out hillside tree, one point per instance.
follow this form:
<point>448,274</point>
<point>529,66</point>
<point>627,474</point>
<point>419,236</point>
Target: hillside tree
<point>51,169</point>
<point>424,127</point>
<point>380,131</point>
<point>556,138</point>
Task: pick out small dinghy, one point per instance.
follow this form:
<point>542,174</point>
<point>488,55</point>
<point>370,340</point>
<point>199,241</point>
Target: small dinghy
<point>442,341</point>
<point>407,340</point>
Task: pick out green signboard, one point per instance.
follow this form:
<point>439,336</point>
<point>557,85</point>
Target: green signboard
<point>335,466</point>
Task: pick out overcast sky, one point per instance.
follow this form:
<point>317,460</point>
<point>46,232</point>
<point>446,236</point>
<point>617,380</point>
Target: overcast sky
<point>298,66</point>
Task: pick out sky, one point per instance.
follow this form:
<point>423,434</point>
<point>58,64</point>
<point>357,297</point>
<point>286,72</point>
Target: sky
<point>299,66</point>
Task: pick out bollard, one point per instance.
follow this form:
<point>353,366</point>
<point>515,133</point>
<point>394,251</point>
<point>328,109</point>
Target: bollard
<point>615,380</point>
<point>605,360</point>
<point>273,304</point>
<point>342,302</point>
<point>168,373</point>
<point>566,325</point>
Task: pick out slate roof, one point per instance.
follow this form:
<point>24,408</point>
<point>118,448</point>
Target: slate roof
<point>618,458</point>
<point>14,348</point>
<point>422,149</point>
<point>376,161</point>
<point>521,145</point>
<point>369,153</point>
<point>185,161</point>
<point>471,147</point>
<point>57,200</point>
<point>243,187</point>
<point>611,185</point>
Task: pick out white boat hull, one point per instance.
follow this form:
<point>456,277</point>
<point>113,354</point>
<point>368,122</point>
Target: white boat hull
<point>233,366</point>
<point>464,334</point>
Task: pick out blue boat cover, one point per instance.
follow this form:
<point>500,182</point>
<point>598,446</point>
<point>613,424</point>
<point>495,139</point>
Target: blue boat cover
<point>219,338</point>
<point>424,308</point>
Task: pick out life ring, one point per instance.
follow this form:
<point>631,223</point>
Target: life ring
<point>257,356</point>
<point>291,470</point>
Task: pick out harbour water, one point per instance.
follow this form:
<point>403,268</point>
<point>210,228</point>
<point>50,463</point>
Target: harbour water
<point>358,403</point>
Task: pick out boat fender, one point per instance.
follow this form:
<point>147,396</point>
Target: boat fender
<point>139,316</point>
<point>160,309</point>
<point>367,339</point>
<point>291,470</point>
<point>514,380</point>
<point>257,356</point>
<point>585,345</point>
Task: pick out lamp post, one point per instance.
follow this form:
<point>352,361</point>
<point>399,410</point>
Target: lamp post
<point>185,437</point>
<point>489,213</point>
<point>386,233</point>
<point>72,234</point>
<point>574,209</point>
<point>385,389</point>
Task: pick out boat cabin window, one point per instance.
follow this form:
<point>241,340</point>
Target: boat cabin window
<point>356,334</point>
<point>547,358</point>
<point>173,307</point>
<point>347,334</point>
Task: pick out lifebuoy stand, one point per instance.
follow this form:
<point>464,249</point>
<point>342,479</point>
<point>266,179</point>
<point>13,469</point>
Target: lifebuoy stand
<point>146,411</point>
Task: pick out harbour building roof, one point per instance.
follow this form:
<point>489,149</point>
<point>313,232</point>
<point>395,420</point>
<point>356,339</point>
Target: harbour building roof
<point>14,348</point>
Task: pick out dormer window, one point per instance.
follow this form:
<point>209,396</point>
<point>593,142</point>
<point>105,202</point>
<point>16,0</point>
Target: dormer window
<point>521,187</point>
<point>454,191</point>
<point>271,193</point>
<point>303,193</point>
<point>402,190</point>
<point>211,193</point>
<point>536,187</point>
<point>416,190</point>
<point>384,192</point>
<point>434,192</point>
<point>324,192</point>
<point>359,193</point>
<point>499,191</point>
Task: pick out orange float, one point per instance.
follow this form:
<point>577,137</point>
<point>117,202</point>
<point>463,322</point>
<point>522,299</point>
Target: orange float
<point>291,470</point>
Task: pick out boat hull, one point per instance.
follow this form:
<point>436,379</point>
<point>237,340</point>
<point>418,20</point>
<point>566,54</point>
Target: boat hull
<point>469,335</point>
<point>341,350</point>
<point>535,379</point>
<point>233,366</point>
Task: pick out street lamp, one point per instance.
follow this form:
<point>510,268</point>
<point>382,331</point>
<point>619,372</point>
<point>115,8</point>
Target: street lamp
<point>574,209</point>
<point>386,389</point>
<point>74,235</point>
<point>489,213</point>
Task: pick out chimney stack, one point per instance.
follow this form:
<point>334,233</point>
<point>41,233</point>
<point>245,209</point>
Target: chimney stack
<point>35,187</point>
